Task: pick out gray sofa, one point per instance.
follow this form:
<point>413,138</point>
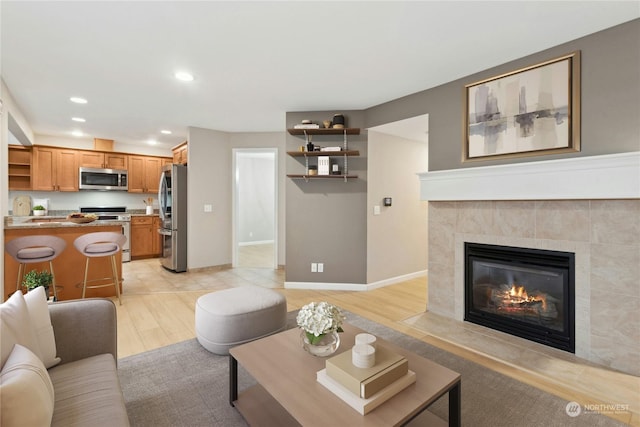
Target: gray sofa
<point>86,385</point>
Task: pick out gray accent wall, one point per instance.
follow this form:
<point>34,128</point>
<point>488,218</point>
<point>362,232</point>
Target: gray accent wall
<point>610,100</point>
<point>326,220</point>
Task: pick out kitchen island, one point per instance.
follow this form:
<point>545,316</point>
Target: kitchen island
<point>68,266</point>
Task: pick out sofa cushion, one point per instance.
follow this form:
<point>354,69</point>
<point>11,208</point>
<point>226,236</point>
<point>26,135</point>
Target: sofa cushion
<point>15,327</point>
<point>41,325</point>
<point>88,393</point>
<point>26,392</point>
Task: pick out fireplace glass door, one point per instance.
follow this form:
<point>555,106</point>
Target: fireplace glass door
<point>524,292</point>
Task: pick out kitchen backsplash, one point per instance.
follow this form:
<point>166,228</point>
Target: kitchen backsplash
<point>72,201</point>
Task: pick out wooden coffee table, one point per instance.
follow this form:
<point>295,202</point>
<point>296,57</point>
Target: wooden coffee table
<point>287,393</point>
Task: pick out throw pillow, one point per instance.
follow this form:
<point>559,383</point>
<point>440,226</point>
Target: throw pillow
<point>41,324</point>
<point>26,392</point>
<point>15,327</point>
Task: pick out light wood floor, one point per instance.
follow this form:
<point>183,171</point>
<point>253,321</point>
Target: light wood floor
<point>159,307</point>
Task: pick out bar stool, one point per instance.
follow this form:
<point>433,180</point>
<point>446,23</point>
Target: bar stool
<point>97,245</point>
<point>34,249</point>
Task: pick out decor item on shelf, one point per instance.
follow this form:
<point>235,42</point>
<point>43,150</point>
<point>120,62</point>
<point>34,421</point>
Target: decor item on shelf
<point>338,121</point>
<point>326,124</point>
<point>312,170</point>
<point>319,324</point>
<point>323,165</point>
<point>309,145</point>
<point>39,210</point>
<point>307,124</point>
<point>34,279</point>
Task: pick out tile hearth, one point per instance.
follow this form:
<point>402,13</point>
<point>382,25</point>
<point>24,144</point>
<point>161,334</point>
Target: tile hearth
<point>568,374</point>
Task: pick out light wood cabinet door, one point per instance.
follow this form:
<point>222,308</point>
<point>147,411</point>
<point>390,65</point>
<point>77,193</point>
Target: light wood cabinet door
<point>153,167</point>
<point>100,159</point>
<point>180,154</point>
<point>91,159</point>
<point>142,242</point>
<point>44,169</point>
<point>115,160</point>
<point>67,170</point>
<point>55,169</point>
<point>136,174</point>
<point>156,237</point>
<point>144,174</point>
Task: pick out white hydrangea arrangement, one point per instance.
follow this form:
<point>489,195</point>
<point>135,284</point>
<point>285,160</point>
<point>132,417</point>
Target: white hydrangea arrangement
<point>319,318</point>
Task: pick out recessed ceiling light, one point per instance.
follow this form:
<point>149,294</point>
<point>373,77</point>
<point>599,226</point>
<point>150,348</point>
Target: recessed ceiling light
<point>152,142</point>
<point>184,76</point>
<point>77,133</point>
<point>78,119</point>
<point>166,132</point>
<point>78,100</point>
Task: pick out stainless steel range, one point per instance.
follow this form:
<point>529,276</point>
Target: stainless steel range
<point>115,213</point>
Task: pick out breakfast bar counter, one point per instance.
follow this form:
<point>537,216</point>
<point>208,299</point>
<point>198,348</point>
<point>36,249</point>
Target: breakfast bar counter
<point>69,266</point>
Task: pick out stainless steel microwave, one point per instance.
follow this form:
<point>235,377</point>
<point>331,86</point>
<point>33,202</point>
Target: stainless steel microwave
<point>103,179</point>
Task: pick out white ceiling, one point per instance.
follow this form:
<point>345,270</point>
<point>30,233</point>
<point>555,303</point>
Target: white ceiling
<point>254,61</point>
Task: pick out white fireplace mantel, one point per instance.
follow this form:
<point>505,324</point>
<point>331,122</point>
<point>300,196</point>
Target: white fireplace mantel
<point>611,176</point>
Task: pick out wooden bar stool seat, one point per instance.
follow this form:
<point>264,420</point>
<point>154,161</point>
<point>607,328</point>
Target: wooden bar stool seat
<point>35,249</point>
<point>98,245</point>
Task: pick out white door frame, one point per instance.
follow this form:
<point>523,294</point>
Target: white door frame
<point>234,201</point>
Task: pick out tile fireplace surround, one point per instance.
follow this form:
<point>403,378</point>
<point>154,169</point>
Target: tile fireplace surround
<point>525,210</point>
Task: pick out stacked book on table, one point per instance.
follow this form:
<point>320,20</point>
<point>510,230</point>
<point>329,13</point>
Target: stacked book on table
<point>364,389</point>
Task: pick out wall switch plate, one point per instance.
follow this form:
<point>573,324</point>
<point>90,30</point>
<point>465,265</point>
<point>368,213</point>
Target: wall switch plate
<point>376,210</point>
<point>314,267</point>
<point>320,267</point>
<point>208,208</point>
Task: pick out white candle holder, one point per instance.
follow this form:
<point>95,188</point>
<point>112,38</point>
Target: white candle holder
<point>363,356</point>
<point>366,339</point>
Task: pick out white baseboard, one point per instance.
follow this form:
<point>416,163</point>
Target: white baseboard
<point>256,242</point>
<point>353,286</point>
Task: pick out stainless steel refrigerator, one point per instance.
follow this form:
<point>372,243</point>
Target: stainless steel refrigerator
<point>172,196</point>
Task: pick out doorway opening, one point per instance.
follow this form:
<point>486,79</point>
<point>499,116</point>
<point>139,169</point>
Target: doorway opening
<point>255,236</point>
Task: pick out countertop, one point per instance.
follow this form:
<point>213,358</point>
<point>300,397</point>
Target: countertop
<point>23,222</point>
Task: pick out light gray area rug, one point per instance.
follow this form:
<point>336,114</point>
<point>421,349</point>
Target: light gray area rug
<point>185,385</point>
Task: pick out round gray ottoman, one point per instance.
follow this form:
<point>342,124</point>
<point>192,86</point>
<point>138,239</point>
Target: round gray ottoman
<point>234,316</point>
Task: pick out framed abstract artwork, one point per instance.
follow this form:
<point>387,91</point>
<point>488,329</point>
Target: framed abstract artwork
<point>527,112</point>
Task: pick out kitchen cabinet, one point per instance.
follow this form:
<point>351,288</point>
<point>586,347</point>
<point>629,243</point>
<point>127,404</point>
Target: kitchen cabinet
<point>19,167</point>
<point>180,153</point>
<point>311,157</point>
<point>145,240</point>
<point>54,169</point>
<point>156,237</point>
<point>144,174</point>
<point>99,159</point>
<point>143,235</point>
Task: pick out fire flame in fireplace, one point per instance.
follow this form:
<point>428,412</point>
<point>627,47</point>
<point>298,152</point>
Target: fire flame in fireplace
<point>518,295</point>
